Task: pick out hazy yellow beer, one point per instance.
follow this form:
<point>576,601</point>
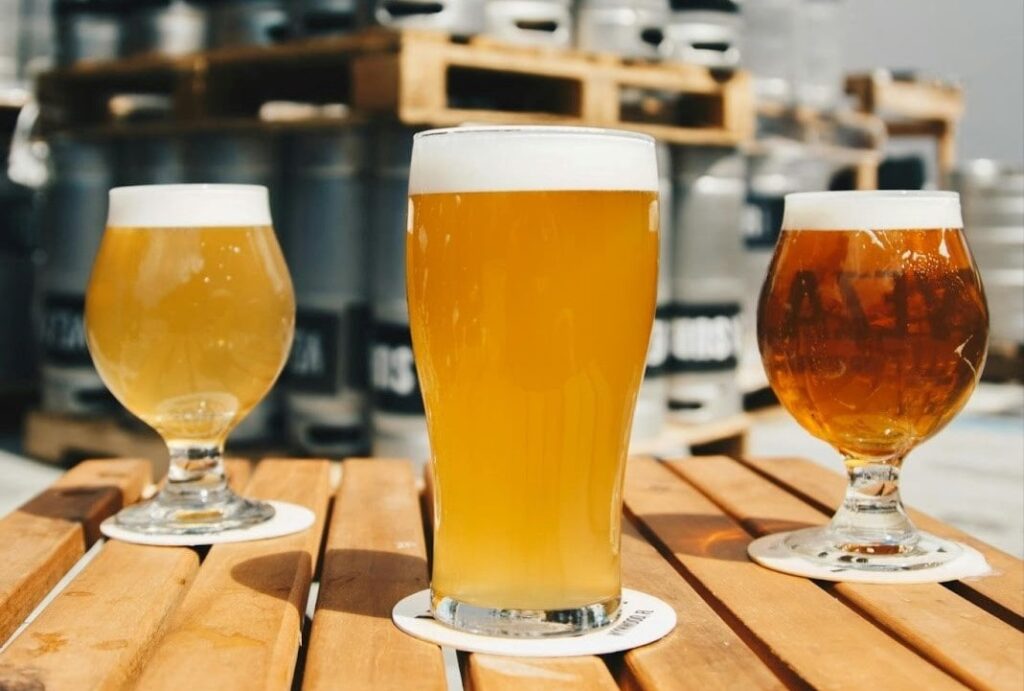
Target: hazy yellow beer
<point>531,267</point>
<point>189,319</point>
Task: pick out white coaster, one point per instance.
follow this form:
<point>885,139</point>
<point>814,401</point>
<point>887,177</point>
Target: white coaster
<point>643,619</point>
<point>771,552</point>
<point>288,519</point>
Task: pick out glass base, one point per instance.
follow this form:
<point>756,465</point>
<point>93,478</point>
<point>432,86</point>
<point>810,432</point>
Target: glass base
<point>824,546</point>
<point>524,623</point>
<point>196,513</point>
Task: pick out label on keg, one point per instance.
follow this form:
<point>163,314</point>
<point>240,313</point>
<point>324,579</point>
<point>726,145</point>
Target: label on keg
<point>762,221</point>
<point>329,350</point>
<point>396,387</point>
<point>64,330</point>
<point>658,350</point>
<point>705,337</point>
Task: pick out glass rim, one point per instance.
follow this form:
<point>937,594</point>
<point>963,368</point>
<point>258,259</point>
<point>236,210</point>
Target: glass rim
<point>539,130</point>
<point>189,205</point>
<point>874,194</point>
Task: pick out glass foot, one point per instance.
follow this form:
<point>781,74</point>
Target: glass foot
<point>524,623</point>
<point>826,547</point>
<point>194,514</point>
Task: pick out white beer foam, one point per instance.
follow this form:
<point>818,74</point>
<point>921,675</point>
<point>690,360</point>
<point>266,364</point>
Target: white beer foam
<point>881,210</point>
<point>188,206</point>
<point>497,159</point>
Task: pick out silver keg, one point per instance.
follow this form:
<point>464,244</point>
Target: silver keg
<point>703,32</point>
<point>707,287</point>
<point>89,30</point>
<point>247,22</point>
<point>247,158</point>
<point>399,425</point>
<point>152,160</point>
<point>165,27</point>
<point>652,401</point>
<point>326,380</point>
<point>769,39</point>
<point>74,215</point>
<point>459,17</point>
<point>630,28</point>
<point>529,22</point>
<point>992,196</point>
<point>819,54</point>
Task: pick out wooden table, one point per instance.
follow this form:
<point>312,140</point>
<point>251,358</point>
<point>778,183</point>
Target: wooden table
<point>231,616</point>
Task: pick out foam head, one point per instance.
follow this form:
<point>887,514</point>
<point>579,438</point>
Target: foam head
<point>882,210</point>
<point>188,206</point>
<point>496,159</point>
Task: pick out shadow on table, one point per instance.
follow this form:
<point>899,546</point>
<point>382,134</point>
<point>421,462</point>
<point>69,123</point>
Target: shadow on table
<point>85,504</point>
<point>708,535</point>
<point>357,581</point>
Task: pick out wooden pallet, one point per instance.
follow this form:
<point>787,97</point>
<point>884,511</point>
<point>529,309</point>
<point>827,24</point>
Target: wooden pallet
<point>231,617</point>
<point>419,78</point>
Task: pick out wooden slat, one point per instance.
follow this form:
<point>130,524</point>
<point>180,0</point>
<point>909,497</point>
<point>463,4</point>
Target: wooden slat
<point>99,631</point>
<point>375,555</point>
<point>952,632</point>
<point>535,674</point>
<point>1002,592</point>
<point>239,625</point>
<point>238,471</point>
<point>702,652</point>
<point>812,637</point>
<point>44,538</point>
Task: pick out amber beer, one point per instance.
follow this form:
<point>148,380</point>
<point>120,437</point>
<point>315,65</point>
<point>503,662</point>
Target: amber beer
<point>873,338</point>
<point>532,260</point>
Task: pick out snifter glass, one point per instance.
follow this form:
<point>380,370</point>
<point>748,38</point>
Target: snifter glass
<point>189,319</point>
<point>873,330</point>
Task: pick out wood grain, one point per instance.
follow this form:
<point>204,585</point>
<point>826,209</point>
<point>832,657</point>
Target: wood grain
<point>238,471</point>
<point>99,631</point>
<point>375,555</point>
<point>1001,593</point>
<point>537,674</point>
<point>808,636</point>
<point>42,540</point>
<point>952,632</point>
<point>702,652</point>
<point>239,625</point>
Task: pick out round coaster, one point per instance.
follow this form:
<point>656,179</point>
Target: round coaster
<point>642,619</point>
<point>771,552</point>
<point>288,519</point>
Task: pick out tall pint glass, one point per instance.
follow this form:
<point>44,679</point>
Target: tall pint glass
<point>532,258</point>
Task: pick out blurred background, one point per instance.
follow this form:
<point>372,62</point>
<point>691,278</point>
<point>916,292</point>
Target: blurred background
<point>319,99</point>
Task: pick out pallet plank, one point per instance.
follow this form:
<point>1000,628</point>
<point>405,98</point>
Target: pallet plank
<point>44,538</point>
<point>375,555</point>
<point>536,674</point>
<point>99,631</point>
<point>239,625</point>
<point>808,636</point>
<point>952,632</point>
<point>239,472</point>
<point>1002,592</point>
<point>702,652</point>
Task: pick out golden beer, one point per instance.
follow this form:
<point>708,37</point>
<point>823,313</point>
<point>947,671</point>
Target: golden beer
<point>530,312</point>
<point>189,327</point>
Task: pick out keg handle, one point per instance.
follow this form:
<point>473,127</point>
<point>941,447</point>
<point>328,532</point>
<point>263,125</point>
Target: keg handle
<point>27,160</point>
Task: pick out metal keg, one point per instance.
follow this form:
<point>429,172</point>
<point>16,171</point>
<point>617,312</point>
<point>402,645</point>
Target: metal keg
<point>89,30</point>
<point>165,27</point>
<point>992,196</point>
<point>652,402</point>
<point>529,22</point>
<point>769,40</point>
<point>152,160</point>
<point>326,379</point>
<point>399,426</point>
<point>247,158</point>
<point>703,32</point>
<point>247,22</point>
<point>819,54</point>
<point>17,348</point>
<point>324,17</point>
<point>73,217</point>
<point>630,28</point>
<point>707,287</point>
<point>460,17</point>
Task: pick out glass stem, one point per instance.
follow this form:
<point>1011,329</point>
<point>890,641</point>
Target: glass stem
<point>871,519</point>
<point>195,469</point>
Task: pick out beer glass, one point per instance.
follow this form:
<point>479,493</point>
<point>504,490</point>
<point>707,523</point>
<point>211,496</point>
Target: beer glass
<point>189,319</point>
<point>873,330</point>
<point>531,267</point>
